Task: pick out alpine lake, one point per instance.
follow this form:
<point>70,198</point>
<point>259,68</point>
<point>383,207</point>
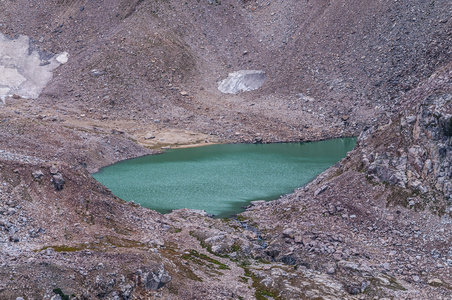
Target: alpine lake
<point>221,179</point>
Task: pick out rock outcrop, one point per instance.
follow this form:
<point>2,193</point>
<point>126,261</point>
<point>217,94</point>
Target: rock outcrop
<point>417,147</point>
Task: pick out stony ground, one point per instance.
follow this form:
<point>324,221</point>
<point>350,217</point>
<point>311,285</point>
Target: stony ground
<point>143,75</point>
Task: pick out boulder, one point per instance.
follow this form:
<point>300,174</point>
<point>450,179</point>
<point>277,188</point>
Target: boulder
<point>58,181</point>
<point>37,174</point>
<point>156,280</point>
<point>288,232</point>
<point>53,170</point>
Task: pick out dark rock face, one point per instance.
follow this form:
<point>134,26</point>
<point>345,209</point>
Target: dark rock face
<point>289,260</point>
<point>58,181</point>
<point>448,127</point>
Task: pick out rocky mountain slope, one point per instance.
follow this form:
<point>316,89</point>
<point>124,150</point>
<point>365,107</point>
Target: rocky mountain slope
<point>145,73</point>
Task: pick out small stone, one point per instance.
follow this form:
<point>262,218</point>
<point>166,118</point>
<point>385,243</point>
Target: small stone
<point>216,249</point>
<point>149,136</point>
<point>96,72</point>
<point>416,278</point>
<point>298,239</point>
<point>320,190</point>
<point>14,238</point>
<point>184,93</point>
<point>411,119</point>
<point>53,170</point>
<point>257,202</point>
<point>37,174</point>
<point>435,282</point>
<point>159,243</point>
<point>289,232</point>
<point>273,251</point>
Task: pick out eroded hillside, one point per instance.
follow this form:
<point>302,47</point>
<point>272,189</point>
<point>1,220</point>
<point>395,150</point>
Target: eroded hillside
<point>145,73</point>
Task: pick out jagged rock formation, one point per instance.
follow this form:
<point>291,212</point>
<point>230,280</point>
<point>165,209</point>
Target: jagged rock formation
<point>417,153</point>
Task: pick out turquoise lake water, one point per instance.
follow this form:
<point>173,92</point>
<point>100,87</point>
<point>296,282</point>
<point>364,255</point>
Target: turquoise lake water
<point>221,179</point>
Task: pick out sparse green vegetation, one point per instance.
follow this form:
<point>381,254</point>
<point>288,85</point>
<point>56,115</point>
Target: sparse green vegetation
<point>198,258</point>
<point>263,295</point>
<point>58,291</point>
<point>103,244</point>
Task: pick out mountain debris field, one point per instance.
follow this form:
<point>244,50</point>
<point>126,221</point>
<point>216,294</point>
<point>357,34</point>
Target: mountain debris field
<point>85,84</point>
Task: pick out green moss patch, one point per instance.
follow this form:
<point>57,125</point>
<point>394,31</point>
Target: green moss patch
<point>203,259</point>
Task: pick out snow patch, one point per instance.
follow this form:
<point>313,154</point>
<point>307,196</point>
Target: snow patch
<point>242,81</point>
<point>23,70</point>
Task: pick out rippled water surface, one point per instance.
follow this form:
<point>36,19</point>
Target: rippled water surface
<point>221,179</point>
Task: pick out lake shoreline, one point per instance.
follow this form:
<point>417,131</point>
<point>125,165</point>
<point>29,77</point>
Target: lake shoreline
<point>235,174</point>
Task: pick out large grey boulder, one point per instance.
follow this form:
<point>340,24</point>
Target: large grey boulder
<point>242,81</point>
<point>153,280</point>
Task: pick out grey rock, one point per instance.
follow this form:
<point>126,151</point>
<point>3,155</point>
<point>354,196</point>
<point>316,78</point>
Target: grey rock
<point>217,249</point>
<point>435,282</point>
<point>58,181</point>
<point>320,190</point>
<point>126,291</point>
<point>332,209</point>
<point>155,280</point>
<point>104,286</point>
<point>353,289</point>
<point>96,72</point>
<point>37,174</point>
<point>364,286</point>
<point>257,202</point>
<point>331,270</point>
<point>288,260</point>
<point>14,239</point>
<point>157,242</point>
<point>273,250</point>
<point>289,232</point>
<point>411,119</point>
<point>298,239</point>
<point>12,229</point>
<point>53,170</point>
